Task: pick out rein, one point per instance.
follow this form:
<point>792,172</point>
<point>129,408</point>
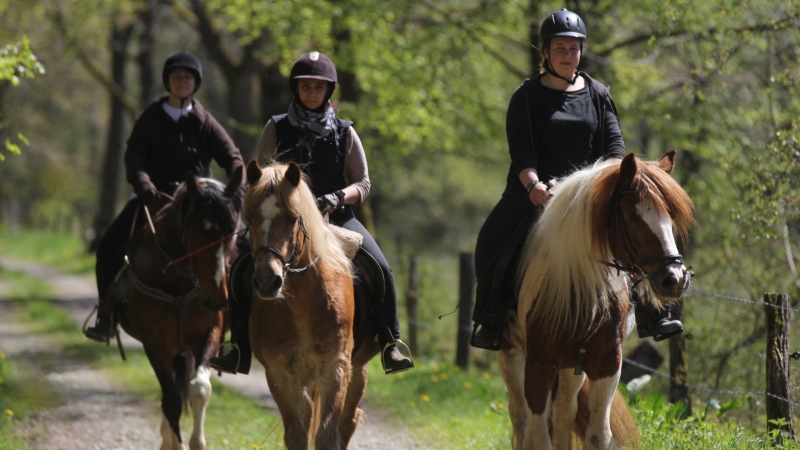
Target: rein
<point>287,263</point>
<point>201,249</point>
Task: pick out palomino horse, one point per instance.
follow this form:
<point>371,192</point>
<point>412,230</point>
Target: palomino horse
<point>301,325</point>
<point>607,228</point>
<point>175,290</point>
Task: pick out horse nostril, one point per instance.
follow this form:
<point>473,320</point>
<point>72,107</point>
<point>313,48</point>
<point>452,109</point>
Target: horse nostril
<point>277,283</point>
<point>669,282</point>
<point>256,284</point>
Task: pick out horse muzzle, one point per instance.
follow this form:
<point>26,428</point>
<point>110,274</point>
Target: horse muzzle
<point>671,282</point>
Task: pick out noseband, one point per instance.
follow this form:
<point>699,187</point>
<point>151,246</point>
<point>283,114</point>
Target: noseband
<point>630,251</point>
<point>287,262</point>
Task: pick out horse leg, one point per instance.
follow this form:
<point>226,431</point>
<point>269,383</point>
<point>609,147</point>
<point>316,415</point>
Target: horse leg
<point>512,367</point>
<point>351,413</point>
<point>538,386</point>
<point>295,406</point>
<point>171,402</point>
<point>565,407</point>
<point>199,396</point>
<point>332,393</point>
<point>601,394</point>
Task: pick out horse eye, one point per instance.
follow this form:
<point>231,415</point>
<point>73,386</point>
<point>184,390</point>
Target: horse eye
<point>634,217</point>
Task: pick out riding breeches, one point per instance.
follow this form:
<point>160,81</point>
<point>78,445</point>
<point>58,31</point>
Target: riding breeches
<point>111,250</point>
<point>498,248</point>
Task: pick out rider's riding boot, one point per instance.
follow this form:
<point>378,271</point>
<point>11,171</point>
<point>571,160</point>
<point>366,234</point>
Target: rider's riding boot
<point>103,329</point>
<point>486,336</point>
<point>235,361</point>
<point>660,324</point>
<point>239,358</point>
<point>393,361</point>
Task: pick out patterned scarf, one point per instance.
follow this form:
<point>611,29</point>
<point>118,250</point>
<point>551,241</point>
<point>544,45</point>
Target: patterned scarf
<point>314,125</point>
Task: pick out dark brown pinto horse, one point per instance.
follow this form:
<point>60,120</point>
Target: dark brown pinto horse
<point>606,228</point>
<point>175,291</point>
<point>301,325</point>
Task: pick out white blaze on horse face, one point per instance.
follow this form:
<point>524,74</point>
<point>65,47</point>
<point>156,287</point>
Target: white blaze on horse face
<point>269,210</point>
<point>661,225</point>
<point>219,276</point>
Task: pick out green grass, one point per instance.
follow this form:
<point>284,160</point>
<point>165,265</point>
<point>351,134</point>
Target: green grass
<point>437,402</point>
<point>53,249</point>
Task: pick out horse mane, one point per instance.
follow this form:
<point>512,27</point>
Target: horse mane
<point>301,202</point>
<point>212,204</point>
<point>565,280</point>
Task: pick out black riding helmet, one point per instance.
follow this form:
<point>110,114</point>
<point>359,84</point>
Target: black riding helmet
<point>183,60</point>
<point>562,23</point>
<point>316,66</point>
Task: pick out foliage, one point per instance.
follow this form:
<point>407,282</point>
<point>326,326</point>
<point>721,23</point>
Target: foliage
<point>17,61</point>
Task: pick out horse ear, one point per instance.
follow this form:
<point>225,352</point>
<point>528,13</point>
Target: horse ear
<point>293,174</point>
<point>627,171</point>
<point>253,172</point>
<point>667,162</point>
<point>235,183</point>
<point>192,186</point>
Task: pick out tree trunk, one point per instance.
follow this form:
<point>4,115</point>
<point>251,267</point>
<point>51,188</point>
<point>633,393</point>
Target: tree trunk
<point>112,164</point>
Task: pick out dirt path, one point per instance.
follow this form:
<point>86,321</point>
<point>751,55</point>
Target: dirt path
<point>93,412</point>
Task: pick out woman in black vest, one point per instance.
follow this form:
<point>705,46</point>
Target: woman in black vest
<point>330,153</point>
<point>173,136</point>
<point>558,121</point>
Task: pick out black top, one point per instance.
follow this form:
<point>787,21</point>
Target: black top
<point>162,151</point>
<point>556,132</point>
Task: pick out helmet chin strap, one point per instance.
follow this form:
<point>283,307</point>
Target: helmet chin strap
<point>549,68</point>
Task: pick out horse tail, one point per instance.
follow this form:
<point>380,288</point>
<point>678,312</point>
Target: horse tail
<point>623,425</point>
<point>184,366</point>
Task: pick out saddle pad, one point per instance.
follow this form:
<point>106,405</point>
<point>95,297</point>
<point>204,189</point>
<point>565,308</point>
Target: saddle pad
<point>351,241</point>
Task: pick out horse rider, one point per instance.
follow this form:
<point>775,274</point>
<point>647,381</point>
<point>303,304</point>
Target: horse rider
<point>332,157</point>
<point>173,136</point>
<point>558,120</point>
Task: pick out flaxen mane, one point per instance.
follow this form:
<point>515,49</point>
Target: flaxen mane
<point>300,201</point>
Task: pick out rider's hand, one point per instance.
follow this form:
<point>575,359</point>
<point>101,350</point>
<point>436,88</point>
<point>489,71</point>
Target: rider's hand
<point>331,202</point>
<point>539,194</point>
<point>149,195</point>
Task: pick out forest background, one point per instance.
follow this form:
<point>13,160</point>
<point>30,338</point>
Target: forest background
<point>427,84</point>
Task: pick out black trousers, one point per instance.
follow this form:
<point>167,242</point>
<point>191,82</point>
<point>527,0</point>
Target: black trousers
<point>110,254</point>
<point>499,244</point>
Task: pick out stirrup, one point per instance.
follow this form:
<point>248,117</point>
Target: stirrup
<point>389,371</point>
<point>97,336</point>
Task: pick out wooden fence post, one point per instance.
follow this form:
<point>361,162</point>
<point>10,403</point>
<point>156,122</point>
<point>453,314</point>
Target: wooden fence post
<point>779,379</point>
<point>678,366</point>
<point>466,281</point>
<point>412,295</point>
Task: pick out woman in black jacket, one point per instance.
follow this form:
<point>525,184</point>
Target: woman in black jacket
<point>173,136</point>
<point>557,122</point>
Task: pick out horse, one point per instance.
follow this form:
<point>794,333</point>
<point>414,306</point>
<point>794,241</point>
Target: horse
<point>303,311</point>
<point>175,291</point>
<point>607,229</point>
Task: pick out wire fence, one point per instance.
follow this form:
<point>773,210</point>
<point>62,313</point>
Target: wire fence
<point>697,295</point>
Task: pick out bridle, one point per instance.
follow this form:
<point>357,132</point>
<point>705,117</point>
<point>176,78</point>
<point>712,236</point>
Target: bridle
<point>288,262</point>
<point>637,268</point>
